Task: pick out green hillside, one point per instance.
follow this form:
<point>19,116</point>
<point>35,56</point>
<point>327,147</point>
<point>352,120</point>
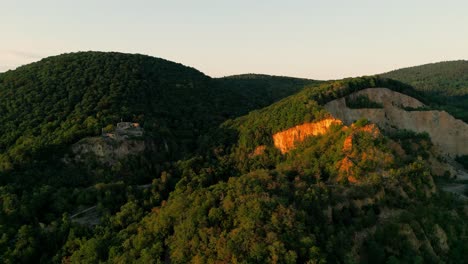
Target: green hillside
<point>49,104</point>
<point>257,90</point>
<point>445,82</point>
<point>201,192</point>
<point>231,206</point>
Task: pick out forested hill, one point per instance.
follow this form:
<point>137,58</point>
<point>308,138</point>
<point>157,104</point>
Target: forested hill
<point>447,78</point>
<point>50,106</point>
<point>208,183</point>
<point>258,90</point>
<point>61,99</point>
<point>47,105</point>
<point>350,195</point>
<point>445,82</point>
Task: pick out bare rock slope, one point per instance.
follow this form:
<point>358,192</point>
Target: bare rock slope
<point>107,150</point>
<point>285,140</point>
<point>450,135</point>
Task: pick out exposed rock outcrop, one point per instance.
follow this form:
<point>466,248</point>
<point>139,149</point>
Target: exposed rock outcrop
<point>286,139</point>
<point>347,166</point>
<point>370,129</point>
<point>450,135</point>
<point>260,150</point>
<point>107,150</point>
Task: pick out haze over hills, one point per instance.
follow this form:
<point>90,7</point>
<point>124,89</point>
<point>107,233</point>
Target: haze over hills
<point>248,168</point>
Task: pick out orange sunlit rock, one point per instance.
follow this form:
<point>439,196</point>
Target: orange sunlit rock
<point>258,151</point>
<point>285,140</point>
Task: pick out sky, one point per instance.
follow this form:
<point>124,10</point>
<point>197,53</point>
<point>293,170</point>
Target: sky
<point>318,39</point>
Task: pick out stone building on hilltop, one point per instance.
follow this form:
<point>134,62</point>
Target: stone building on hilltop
<point>125,130</point>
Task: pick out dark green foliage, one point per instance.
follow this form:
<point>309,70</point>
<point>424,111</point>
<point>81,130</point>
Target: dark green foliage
<point>463,160</point>
<point>361,122</point>
<point>211,199</point>
<point>362,101</point>
<point>398,240</point>
<point>414,144</point>
<point>47,105</point>
<point>254,91</point>
<point>422,108</point>
<point>55,102</point>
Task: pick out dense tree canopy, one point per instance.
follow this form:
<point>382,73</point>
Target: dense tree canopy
<point>197,194</point>
<point>55,102</point>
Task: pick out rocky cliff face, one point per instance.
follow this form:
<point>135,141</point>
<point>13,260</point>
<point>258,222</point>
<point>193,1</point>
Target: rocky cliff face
<point>106,150</point>
<point>450,135</point>
<point>286,139</point>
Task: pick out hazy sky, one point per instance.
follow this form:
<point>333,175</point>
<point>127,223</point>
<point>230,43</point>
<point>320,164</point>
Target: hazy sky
<point>319,39</point>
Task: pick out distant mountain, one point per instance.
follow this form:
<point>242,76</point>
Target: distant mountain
<point>445,82</point>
